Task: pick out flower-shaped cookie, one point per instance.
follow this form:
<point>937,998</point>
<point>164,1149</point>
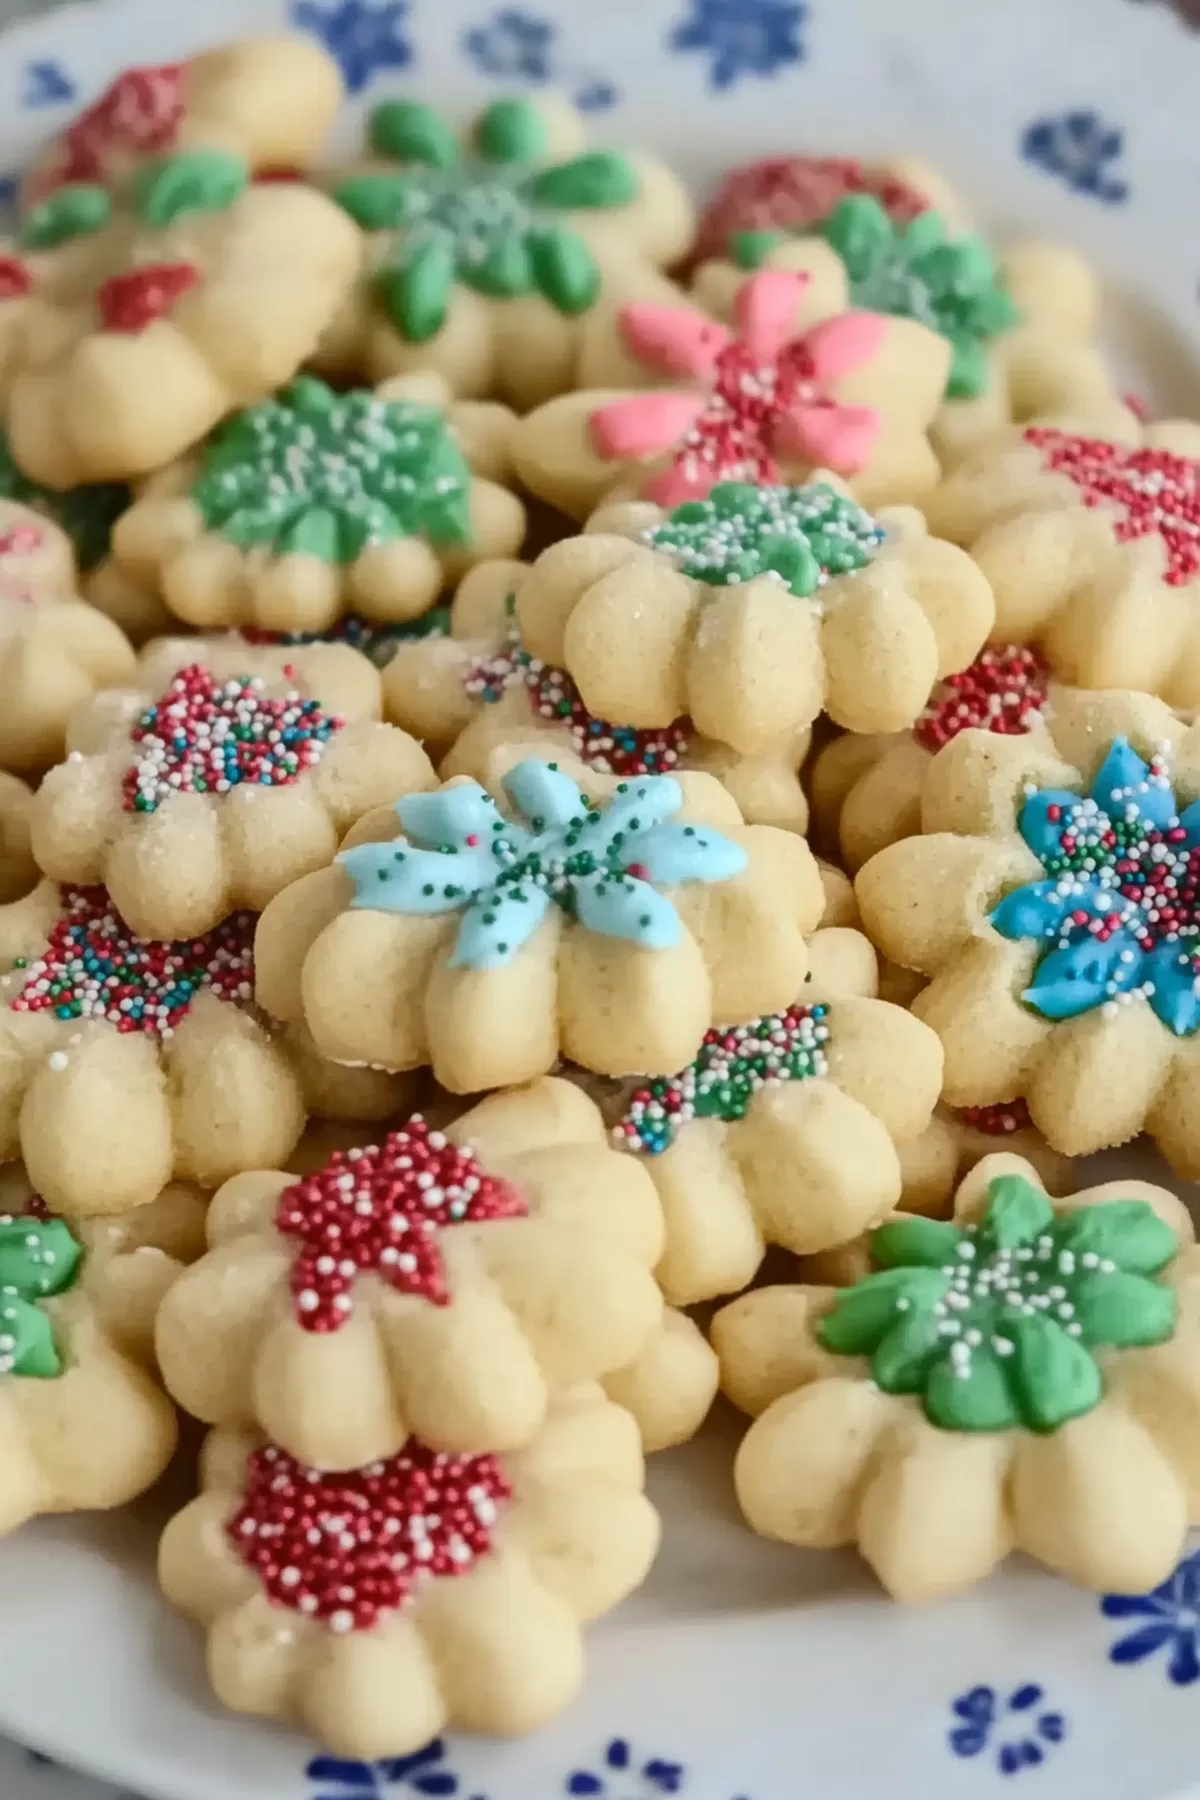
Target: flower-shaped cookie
<point>480,697</point>
<point>129,327</point>
<point>866,790</point>
<point>215,793</point>
<point>84,1424</point>
<point>457,1598</point>
<point>491,943</point>
<point>270,100</point>
<point>793,383</point>
<point>314,503</point>
<point>1092,547</point>
<point>18,871</point>
<point>954,1142</point>
<point>437,1283</point>
<point>754,610</point>
<point>1054,904</point>
<point>1027,1377</point>
<point>485,253</point>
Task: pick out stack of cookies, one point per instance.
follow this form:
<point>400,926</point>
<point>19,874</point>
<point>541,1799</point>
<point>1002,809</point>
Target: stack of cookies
<point>439,595</point>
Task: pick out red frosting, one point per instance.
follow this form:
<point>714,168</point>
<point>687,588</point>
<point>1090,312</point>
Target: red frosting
<point>1151,491</point>
<point>16,277</point>
<point>138,114</point>
<point>382,1210</point>
<point>1004,691</point>
<point>131,302</point>
<point>793,193</point>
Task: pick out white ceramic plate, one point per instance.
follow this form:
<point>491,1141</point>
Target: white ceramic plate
<point>742,1671</point>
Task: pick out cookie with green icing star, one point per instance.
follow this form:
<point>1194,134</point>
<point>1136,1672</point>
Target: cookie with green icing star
<point>995,1382</point>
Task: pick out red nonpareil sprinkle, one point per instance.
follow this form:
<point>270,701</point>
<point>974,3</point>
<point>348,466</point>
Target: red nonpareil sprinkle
<point>1000,1120</point>
<point>793,193</point>
<point>22,540</point>
<point>382,1210</point>
<point>16,277</point>
<point>138,114</point>
<point>134,301</point>
<point>1152,492</point>
<point>1004,691</point>
<point>348,1549</point>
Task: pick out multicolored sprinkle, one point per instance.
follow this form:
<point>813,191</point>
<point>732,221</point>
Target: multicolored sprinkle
<point>1001,1120</point>
<point>376,642</point>
<point>1153,492</point>
<point>799,536</point>
<point>1004,690</point>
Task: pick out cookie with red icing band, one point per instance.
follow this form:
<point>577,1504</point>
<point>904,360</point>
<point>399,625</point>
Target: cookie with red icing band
<point>220,788</point>
<point>480,697</point>
<point>1091,542</point>
<point>457,1600</point>
<point>403,1287</point>
<point>270,100</point>
<point>138,320</point>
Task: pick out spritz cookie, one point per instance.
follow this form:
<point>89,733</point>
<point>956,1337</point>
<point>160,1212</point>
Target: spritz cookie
<point>215,792</point>
<point>18,871</point>
<point>270,100</point>
<point>403,1288</point>
<point>753,611</point>
<point>488,940</point>
<point>86,514</point>
<point>1024,1378</point>
<point>313,504</point>
<point>130,325</point>
<point>1051,899</point>
<point>1092,546</point>
<point>460,1601</point>
<point>791,384</point>
<point>487,251</point>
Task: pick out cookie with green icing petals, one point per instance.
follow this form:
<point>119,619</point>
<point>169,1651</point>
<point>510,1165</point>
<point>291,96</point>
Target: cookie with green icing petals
<point>994,1383</point>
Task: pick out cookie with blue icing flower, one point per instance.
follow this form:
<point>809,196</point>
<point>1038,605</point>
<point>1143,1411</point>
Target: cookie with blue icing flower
<point>1052,901</point>
<point>1025,1376</point>
<point>489,935</point>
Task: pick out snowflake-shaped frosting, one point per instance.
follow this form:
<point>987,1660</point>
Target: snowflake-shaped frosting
<point>1118,915</point>
<point>328,474</point>
<point>799,536</point>
<point>995,1325</point>
<point>1148,491</point>
<point>597,863</point>
<point>762,391</point>
<point>492,219</point>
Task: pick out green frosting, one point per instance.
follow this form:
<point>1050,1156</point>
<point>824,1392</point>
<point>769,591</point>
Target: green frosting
<point>328,474</point>
<point>86,514</point>
<point>994,1325</point>
<point>488,218</point>
<point>800,535</point>
<point>195,181</point>
<point>71,212</point>
<point>38,1258</point>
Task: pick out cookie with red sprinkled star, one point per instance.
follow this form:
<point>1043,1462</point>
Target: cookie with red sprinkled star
<point>1024,1377</point>
<point>270,100</point>
<point>792,383</point>
<point>1052,899</point>
<point>1091,542</point>
<point>132,323</point>
<point>457,1600</point>
<point>216,791</point>
<point>753,611</point>
<point>490,936</point>
<point>490,248</point>
<point>480,701</point>
<point>313,504</point>
<point>440,1284</point>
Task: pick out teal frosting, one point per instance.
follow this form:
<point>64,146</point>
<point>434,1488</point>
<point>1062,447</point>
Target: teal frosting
<point>601,864</point>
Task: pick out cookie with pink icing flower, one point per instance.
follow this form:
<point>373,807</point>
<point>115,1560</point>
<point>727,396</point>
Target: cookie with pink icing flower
<point>792,383</point>
<point>491,1566</point>
<point>215,791</point>
<point>477,698</point>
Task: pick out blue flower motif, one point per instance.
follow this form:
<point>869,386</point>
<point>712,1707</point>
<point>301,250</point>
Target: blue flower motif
<point>422,1773</point>
<point>512,46</point>
<point>654,1776</point>
<point>1171,1615</point>
<point>1017,1728</point>
<point>1117,915</point>
<point>742,37</point>
<point>1081,147</point>
<point>47,84</point>
<point>364,35</point>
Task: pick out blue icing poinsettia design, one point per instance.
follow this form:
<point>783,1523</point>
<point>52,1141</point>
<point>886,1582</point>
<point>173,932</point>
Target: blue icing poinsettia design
<point>1119,911</point>
<point>600,864</point>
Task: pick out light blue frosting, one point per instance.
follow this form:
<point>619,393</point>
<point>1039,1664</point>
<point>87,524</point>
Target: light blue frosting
<point>602,865</point>
<point>1078,971</point>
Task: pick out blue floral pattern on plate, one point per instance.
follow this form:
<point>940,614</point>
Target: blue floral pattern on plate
<point>1168,1620</point>
<point>47,84</point>
<point>1081,148</point>
<point>742,37</point>
<point>366,36</point>
<point>619,1766</point>
<point>518,46</point>
<point>425,1772</point>
<point>1017,1728</point>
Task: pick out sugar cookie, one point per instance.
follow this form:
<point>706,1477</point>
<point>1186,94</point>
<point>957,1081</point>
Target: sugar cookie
<point>485,254</point>
<point>1051,898</point>
<point>18,872</point>
<point>86,514</point>
<point>933,1164</point>
<point>215,792</point>
<point>514,1554</point>
<point>313,503</point>
<point>1025,1378</point>
<point>610,931</point>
